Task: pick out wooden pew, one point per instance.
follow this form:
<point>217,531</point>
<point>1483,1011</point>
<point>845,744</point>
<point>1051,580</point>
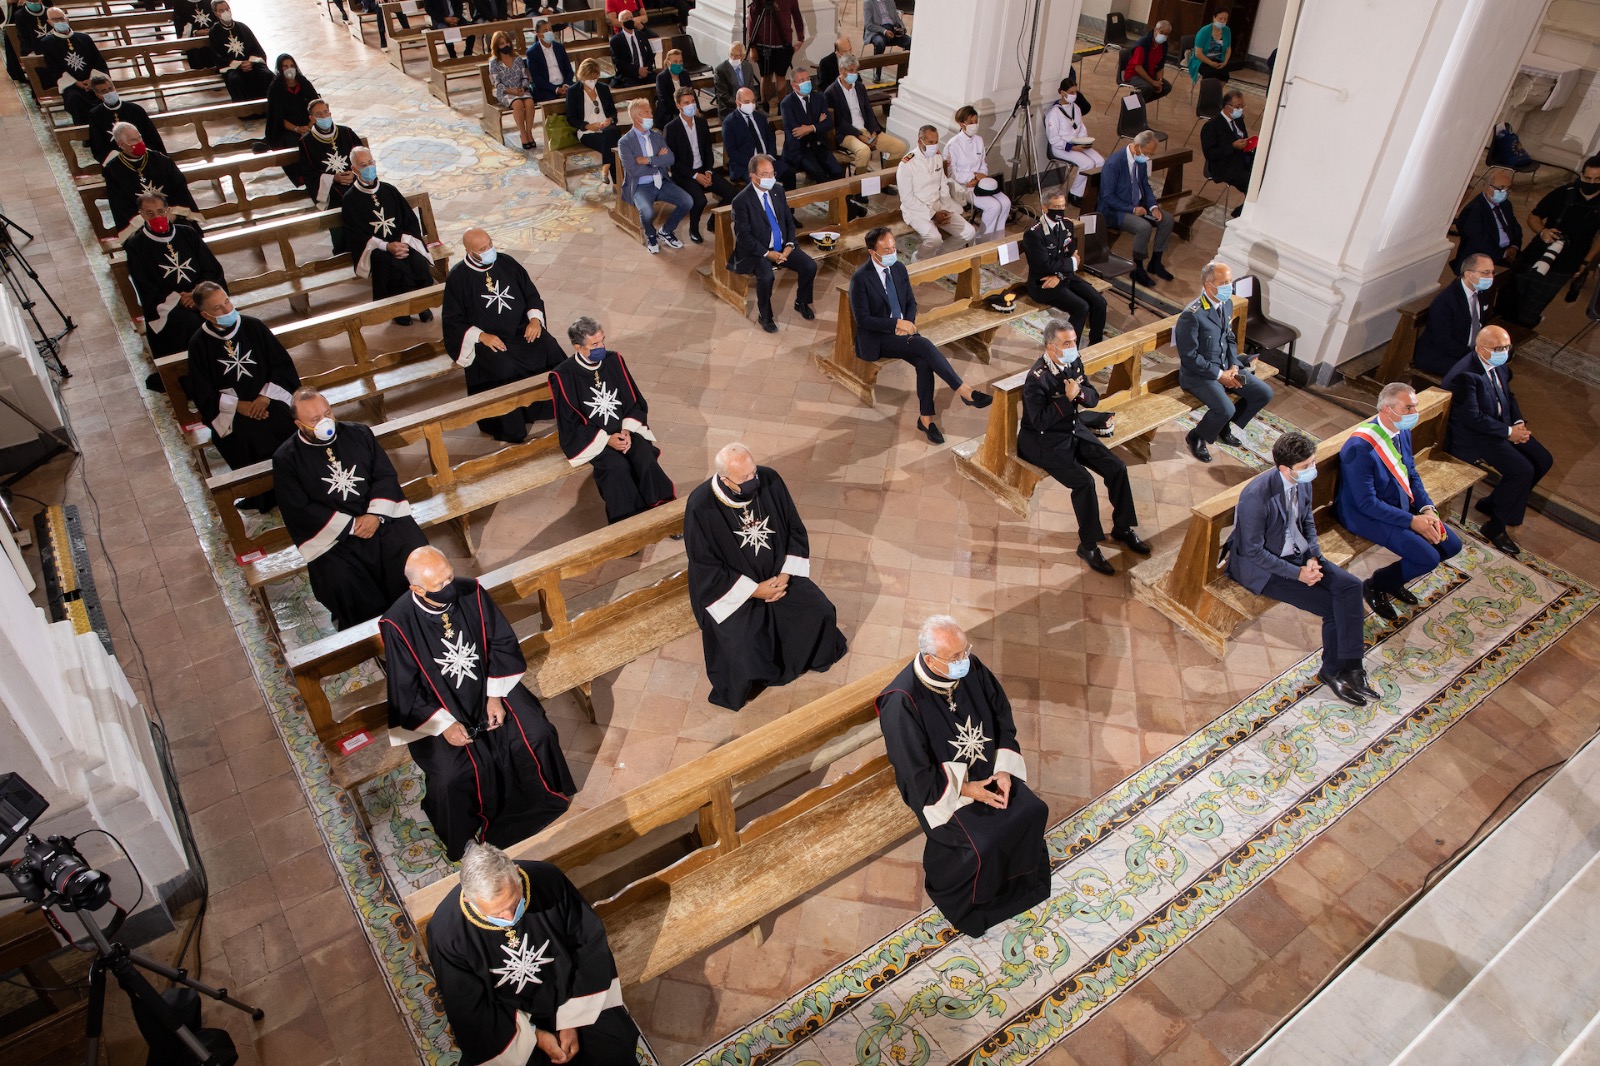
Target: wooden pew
<point>443,70</point>
<point>1396,362</point>
<point>1175,197</point>
<point>1143,405</point>
<point>676,908</point>
<point>966,323</point>
<point>191,120</point>
<point>456,490</point>
<point>289,279</point>
<point>246,204</point>
<point>577,642</point>
<point>1186,584</point>
<point>150,73</point>
<point>557,164</point>
<point>44,1024</point>
<point>133,27</point>
<point>402,38</point>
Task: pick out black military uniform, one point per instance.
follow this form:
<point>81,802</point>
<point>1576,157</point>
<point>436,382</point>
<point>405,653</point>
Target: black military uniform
<point>1051,248</point>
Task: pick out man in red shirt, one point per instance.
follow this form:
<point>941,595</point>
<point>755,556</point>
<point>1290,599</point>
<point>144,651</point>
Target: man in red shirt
<point>1144,69</point>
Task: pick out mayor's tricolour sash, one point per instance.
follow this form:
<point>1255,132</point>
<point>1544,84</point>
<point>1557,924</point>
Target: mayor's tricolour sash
<point>1388,450</point>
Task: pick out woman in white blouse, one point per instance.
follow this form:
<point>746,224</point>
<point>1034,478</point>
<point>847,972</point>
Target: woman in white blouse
<point>1063,124</point>
<point>968,168</point>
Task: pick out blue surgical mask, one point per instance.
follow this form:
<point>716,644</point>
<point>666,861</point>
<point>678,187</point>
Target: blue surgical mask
<point>507,923</point>
<point>889,260</point>
<point>325,124</point>
<point>957,669</point>
<point>547,37</point>
<point>1161,38</point>
<point>111,99</point>
<point>1499,356</point>
<point>850,78</point>
<point>368,174</point>
<point>647,123</point>
<point>1142,160</point>
<point>1238,113</point>
<point>1498,195</point>
<point>597,353</point>
<point>34,8</point>
<point>1306,476</point>
<point>766,183</point>
<point>1483,284</point>
<point>805,88</point>
<point>1069,356</point>
<point>229,320</point>
<point>488,256</point>
<point>689,110</point>
<point>324,429</point>
<point>63,27</point>
<point>1225,292</point>
<point>1408,421</point>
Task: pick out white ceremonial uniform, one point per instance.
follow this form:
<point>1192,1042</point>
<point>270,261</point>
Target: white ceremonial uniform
<point>1063,122</point>
<point>925,191</point>
<point>966,161</point>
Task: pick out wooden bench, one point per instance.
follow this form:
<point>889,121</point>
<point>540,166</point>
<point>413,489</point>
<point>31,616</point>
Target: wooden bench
<point>289,279</point>
<point>966,323</point>
<point>192,120</point>
<point>1142,405</point>
<point>1396,362</point>
<point>579,638</point>
<point>443,69</point>
<point>402,38</point>
<point>227,176</point>
<point>669,908</point>
<point>133,27</point>
<point>1187,585</point>
<point>147,72</point>
<point>45,1023</point>
<point>557,164</point>
<point>1175,196</point>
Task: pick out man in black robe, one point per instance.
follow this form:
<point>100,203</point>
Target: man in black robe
<point>133,169</point>
<point>495,330</point>
<point>326,151</point>
<point>949,733</point>
<point>193,19</point>
<point>241,380</point>
<point>490,760</point>
<point>762,620</point>
<point>383,235</point>
<point>28,16</point>
<point>603,420</point>
<point>69,56</point>
<point>243,61</point>
<point>167,258</point>
<point>112,109</point>
<point>342,503</point>
<point>524,969</point>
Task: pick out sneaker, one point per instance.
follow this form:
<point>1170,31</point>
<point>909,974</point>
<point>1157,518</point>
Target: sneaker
<point>652,247</point>
<point>671,241</point>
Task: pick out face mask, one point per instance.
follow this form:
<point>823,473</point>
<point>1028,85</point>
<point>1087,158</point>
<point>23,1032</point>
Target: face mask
<point>889,259</point>
<point>1225,292</point>
<point>850,78</point>
<point>676,68</point>
<point>507,923</point>
<point>34,8</point>
<point>748,109</point>
<point>324,429</point>
<point>689,110</point>
<point>930,150</point>
<point>63,27</point>
<point>446,595</point>
<point>1057,213</point>
<point>766,183</point>
<point>290,73</point>
<point>488,256</point>
<point>746,489</point>
<point>590,84</point>
<point>1238,113</point>
<point>1306,476</point>
<point>1161,38</point>
<point>325,125</point>
<point>229,320</point>
<point>1589,188</point>
<point>1499,356</point>
<point>646,123</point>
<point>1408,421</point>
<point>368,174</point>
<point>627,26</point>
<point>226,18</point>
<point>955,671</point>
<point>111,99</point>
<point>805,88</point>
<point>161,225</point>
<point>1220,26</point>
<point>970,129</point>
<point>1069,98</point>
<point>547,37</point>
<point>1497,196</point>
<point>1068,356</point>
<point>1483,284</point>
<point>1142,160</point>
<point>502,51</point>
<point>597,353</point>
<point>137,149</point>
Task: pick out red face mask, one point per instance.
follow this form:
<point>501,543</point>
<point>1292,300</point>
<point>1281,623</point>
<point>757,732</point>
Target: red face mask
<point>160,225</point>
<point>137,149</point>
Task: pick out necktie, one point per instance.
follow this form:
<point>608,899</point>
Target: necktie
<point>1294,541</point>
<point>772,220</point>
<point>1472,305</point>
<point>894,297</point>
<point>755,128</point>
<point>738,73</point>
<point>633,42</point>
<point>1499,393</point>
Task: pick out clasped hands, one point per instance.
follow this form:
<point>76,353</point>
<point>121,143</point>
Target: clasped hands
<point>458,736</point>
<point>256,408</point>
<point>904,327</point>
<point>621,440</point>
<point>558,1047</point>
<point>1520,434</point>
<point>772,589</point>
<point>529,334</point>
<point>398,249</point>
<point>991,791</point>
<point>1428,526</point>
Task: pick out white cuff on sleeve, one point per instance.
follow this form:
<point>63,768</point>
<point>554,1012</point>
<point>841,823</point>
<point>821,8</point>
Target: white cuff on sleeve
<point>227,403</point>
<point>952,800</point>
<point>536,313</point>
<point>731,600</point>
<point>633,425</point>
<point>324,191</point>
<point>326,537</point>
<point>469,347</point>
<point>583,1010</point>
<point>595,447</point>
<point>363,262</point>
<point>796,566</point>
<point>500,687</point>
<point>165,309</point>
<point>433,727</point>
<point>274,391</point>
<point>521,1048</point>
<point>415,244</point>
<point>389,508</point>
<point>1010,762</point>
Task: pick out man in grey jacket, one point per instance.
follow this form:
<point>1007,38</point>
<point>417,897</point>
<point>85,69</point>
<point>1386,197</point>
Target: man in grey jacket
<point>646,178</point>
<point>1210,365</point>
<point>882,27</point>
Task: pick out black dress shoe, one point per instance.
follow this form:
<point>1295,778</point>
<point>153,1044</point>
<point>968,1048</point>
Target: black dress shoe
<point>1160,270</point>
<point>931,431</point>
<point>403,320</point>
<point>1406,596</point>
<point>1503,541</point>
<point>1483,506</point>
<point>695,238</point>
<point>1379,601</point>
<point>979,399</point>
<point>768,325</point>
<point>1197,447</point>
<point>805,311</point>
<point>1141,278</point>
<point>1341,689</point>
<point>1230,437</point>
<point>1130,540</point>
<point>1357,677</point>
<point>1096,561</point>
<point>426,316</point>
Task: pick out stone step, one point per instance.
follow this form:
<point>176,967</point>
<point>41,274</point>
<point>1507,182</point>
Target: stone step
<point>1584,1051</point>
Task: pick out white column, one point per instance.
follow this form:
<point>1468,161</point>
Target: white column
<point>966,52</point>
<point>714,25</point>
<point>1376,136</point>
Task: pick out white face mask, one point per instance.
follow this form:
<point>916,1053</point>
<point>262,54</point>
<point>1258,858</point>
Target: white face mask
<point>590,85</point>
<point>748,109</point>
<point>930,150</point>
<point>970,129</point>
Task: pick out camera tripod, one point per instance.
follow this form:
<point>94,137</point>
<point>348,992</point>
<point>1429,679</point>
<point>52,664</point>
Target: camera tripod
<point>13,261</point>
<point>1025,164</point>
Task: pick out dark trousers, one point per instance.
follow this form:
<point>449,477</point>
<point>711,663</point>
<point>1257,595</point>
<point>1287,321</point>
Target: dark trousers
<point>927,360</point>
<point>720,186</point>
<point>1336,599</point>
<point>1070,462</point>
<point>805,271</point>
<point>1534,292</point>
<point>818,163</point>
<point>1520,466</point>
<point>1081,303</point>
<point>1417,557</point>
<point>603,141</point>
<point>1221,408</point>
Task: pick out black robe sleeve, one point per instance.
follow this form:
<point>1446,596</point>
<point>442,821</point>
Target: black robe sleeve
<point>580,439</point>
<point>796,542</point>
<point>485,1025</point>
<point>455,317</point>
<point>712,575</point>
<point>592,980</point>
<point>506,663</point>
<point>918,773</point>
<point>413,700</point>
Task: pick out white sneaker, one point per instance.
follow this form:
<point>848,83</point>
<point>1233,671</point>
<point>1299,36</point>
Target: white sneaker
<point>671,241</point>
<point>652,247</point>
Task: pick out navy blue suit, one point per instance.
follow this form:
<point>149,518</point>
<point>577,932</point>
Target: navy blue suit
<point>1256,561</point>
<point>1482,411</point>
<point>1207,346</point>
<point>1449,332</point>
<point>1120,192</point>
<point>753,239</point>
<point>545,80</point>
<point>1479,232</point>
<point>811,153</point>
<point>1372,504</point>
<point>876,339</point>
<point>746,135</point>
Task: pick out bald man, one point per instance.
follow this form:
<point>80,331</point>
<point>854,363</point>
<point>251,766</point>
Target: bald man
<point>383,235</point>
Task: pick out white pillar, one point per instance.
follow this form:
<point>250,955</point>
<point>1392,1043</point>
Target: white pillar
<point>1376,136</point>
<point>973,53</point>
<point>714,25</point>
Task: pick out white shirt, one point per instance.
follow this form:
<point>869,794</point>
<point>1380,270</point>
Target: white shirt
<point>854,105</point>
<point>966,158</point>
<point>1061,124</point>
<point>694,140</point>
<point>552,68</point>
<point>633,42</point>
<point>592,111</point>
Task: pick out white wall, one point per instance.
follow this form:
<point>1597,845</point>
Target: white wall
<point>1568,38</point>
<point>1263,38</point>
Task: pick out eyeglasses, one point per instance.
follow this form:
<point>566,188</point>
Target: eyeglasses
<point>966,653</point>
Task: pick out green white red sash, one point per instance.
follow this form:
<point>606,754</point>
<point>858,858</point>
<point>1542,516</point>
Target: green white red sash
<point>1388,450</point>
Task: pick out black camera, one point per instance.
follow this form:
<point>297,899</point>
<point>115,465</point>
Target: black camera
<point>51,873</point>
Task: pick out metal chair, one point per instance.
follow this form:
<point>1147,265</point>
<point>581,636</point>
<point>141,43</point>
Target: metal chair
<point>1185,46</point>
<point>1132,121</point>
<point>1209,103</point>
<point>1227,190</point>
<point>1099,260</point>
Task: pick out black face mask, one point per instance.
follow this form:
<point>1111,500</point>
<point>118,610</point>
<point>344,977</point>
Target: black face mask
<point>1056,214</point>
<point>503,51</point>
<point>745,490</point>
<point>446,596</point>
<point>1589,188</point>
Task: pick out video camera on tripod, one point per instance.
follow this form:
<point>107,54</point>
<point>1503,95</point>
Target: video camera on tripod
<point>54,875</point>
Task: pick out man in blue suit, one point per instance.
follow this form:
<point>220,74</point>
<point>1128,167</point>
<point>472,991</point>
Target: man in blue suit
<point>747,133</point>
<point>548,64</point>
<point>1210,365</point>
<point>883,308</point>
<point>1129,203</point>
<point>1488,224</point>
<point>1486,423</point>
<point>807,124</point>
<point>1382,498</point>
<point>1454,318</point>
<point>1273,551</point>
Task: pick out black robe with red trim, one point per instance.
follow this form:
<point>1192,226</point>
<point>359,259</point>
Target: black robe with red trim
<point>443,668</point>
<point>128,179</point>
<point>732,547</point>
<point>499,299</point>
<point>981,864</point>
<point>594,402</point>
<point>374,217</point>
<point>322,489</point>
<point>550,971</point>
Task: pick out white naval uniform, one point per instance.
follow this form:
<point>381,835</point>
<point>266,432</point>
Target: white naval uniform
<point>966,160</point>
<point>925,191</point>
<point>1062,122</point>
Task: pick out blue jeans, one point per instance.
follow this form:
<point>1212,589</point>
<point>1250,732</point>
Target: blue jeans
<point>1221,408</point>
<point>645,196</point>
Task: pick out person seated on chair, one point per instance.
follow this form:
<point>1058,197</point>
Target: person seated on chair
<point>926,205</point>
<point>806,127</point>
<point>882,27</point>
<point>1227,145</point>
<point>548,64</point>
<point>860,135</point>
<point>1454,318</point>
<point>1273,552</point>
<point>732,74</point>
<point>745,134</point>
<point>764,240</point>
<point>1068,135</point>
<point>1212,54</point>
<point>1144,69</point>
<point>832,64</point>
<point>1486,425</point>
<point>1053,262</point>
<point>969,175</point>
<point>1129,203</point>
<point>1210,365</point>
<point>1566,237</point>
<point>1382,498</point>
<point>883,308</point>
<point>693,165</point>
<point>513,86</point>
<point>1488,223</point>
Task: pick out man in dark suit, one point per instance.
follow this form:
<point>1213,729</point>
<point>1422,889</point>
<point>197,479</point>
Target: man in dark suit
<point>632,57</point>
<point>693,165</point>
<point>745,133</point>
<point>1486,424</point>
<point>450,15</point>
<point>1226,145</point>
<point>1273,551</point>
<point>1054,433</point>
<point>548,64</point>
<point>764,239</point>
<point>732,74</point>
<point>1455,317</point>
<point>1488,224</point>
<point>806,126</point>
<point>883,308</point>
<point>1210,365</point>
<point>1053,270</point>
<point>1382,498</point>
<point>828,67</point>
<point>1129,203</point>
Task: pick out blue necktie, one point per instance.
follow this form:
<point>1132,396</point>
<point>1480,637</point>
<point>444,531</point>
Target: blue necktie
<point>738,72</point>
<point>894,297</point>
<point>772,220</point>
